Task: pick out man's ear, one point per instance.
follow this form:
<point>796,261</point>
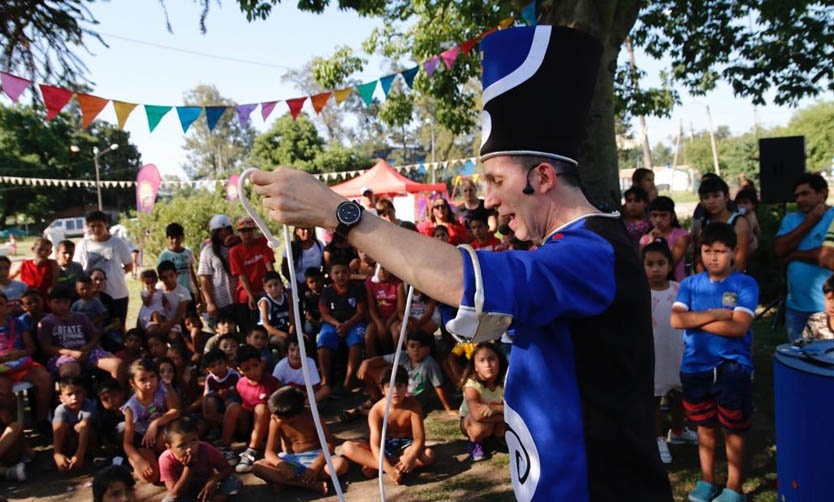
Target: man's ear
<point>546,174</point>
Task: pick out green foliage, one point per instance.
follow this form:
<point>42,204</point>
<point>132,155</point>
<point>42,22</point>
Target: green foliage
<point>764,266</point>
<point>338,158</point>
<point>288,143</point>
<point>816,123</point>
<point>334,72</point>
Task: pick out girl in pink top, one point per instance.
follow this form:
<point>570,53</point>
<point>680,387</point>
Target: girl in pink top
<point>665,225</point>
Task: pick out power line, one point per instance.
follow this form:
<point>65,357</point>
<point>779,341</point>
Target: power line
<point>195,53</point>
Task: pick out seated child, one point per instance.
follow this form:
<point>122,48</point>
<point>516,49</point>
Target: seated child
<point>73,425</point>
<point>195,338</point>
<point>88,304</point>
<point>178,297</point>
<point>314,279</point>
<point>13,289</point>
<point>254,387</point>
<point>12,449</point>
<point>70,340</point>
<point>343,307</point>
<point>186,377</point>
<point>482,409</point>
<point>149,409</point>
<point>229,345</point>
<point>221,403</point>
<point>152,311</point>
<point>192,469</point>
<point>819,324</point>
<point>301,463</point>
<point>157,345</point>
<point>421,367</point>
<point>223,326</point>
<point>422,316</point>
<point>114,483</point>
<point>168,378</point>
<point>275,307</point>
<point>111,418</point>
<point>381,290</point>
<point>259,339</point>
<point>289,372</point>
<point>134,346</point>
<point>405,442</point>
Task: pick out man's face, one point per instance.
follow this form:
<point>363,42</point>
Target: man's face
<point>505,181</point>
<point>807,198</point>
<point>98,230</point>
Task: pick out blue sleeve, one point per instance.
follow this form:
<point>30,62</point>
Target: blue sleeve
<point>748,295</point>
<point>685,292</point>
<point>789,223</point>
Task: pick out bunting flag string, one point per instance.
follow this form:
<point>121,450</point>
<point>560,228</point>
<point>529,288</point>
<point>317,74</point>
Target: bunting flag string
<point>56,98</point>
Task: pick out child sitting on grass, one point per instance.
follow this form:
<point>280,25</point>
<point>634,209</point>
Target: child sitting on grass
<point>482,409</point>
<point>290,372</point>
<point>73,426</point>
<point>254,389</point>
<point>291,429</point>
<point>221,403</point>
<point>405,442</point>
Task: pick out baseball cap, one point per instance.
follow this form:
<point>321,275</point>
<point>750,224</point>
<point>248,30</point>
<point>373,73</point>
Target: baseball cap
<point>244,223</point>
<point>366,190</point>
<point>219,221</point>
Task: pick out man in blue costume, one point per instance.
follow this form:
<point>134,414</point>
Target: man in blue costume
<point>578,396</point>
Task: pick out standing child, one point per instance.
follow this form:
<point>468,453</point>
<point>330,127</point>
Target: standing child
<point>193,469</point>
<point>289,371</point>
<point>221,403</point>
<point>747,202</point>
<point>482,409</point>
<point>668,344</point>
<point>482,238</point>
<point>177,296</point>
<point>634,213</point>
<point>293,430</point>
<point>666,226</point>
<point>69,270</point>
<point>254,389</point>
<point>153,309</point>
<point>183,260</point>
<point>73,425</point>
<point>41,272</point>
<point>405,442</point>
<point>149,409</point>
<point>716,308</point>
<point>275,310</point>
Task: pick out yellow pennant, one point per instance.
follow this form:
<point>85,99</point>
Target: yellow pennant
<point>123,110</point>
<point>341,95</point>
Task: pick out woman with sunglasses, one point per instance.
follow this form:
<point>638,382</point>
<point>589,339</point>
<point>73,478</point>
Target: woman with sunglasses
<point>441,214</point>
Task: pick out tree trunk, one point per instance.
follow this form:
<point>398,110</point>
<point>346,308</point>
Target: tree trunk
<point>610,21</point>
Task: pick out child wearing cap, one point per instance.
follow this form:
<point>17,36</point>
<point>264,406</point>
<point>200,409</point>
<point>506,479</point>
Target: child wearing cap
<point>249,261</point>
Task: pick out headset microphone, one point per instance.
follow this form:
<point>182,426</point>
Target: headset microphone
<point>528,189</point>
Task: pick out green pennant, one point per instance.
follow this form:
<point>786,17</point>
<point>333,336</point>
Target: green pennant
<point>155,114</point>
<point>367,92</point>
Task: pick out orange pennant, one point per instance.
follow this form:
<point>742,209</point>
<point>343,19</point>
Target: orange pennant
<point>506,23</point>
<point>91,106</point>
<point>341,95</point>
<point>319,100</point>
<point>123,110</point>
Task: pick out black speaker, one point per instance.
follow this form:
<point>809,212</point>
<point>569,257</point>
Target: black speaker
<point>781,163</point>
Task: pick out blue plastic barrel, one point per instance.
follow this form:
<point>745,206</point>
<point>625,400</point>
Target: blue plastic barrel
<point>804,393</point>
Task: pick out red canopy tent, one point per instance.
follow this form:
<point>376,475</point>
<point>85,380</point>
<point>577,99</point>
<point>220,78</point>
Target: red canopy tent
<point>384,180</point>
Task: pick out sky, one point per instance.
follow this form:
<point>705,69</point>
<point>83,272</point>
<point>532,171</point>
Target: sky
<point>146,64</point>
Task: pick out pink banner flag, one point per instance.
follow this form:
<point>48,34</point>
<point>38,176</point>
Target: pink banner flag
<point>13,86</point>
<point>450,56</point>
<point>231,188</point>
<point>147,186</point>
<point>266,108</point>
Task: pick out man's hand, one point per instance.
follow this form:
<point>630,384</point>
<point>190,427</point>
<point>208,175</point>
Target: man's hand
<point>296,198</point>
<point>816,214</point>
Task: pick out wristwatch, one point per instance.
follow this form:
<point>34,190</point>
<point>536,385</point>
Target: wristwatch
<point>348,213</point>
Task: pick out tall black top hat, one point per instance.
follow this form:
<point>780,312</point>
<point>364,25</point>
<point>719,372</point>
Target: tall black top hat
<point>538,84</point>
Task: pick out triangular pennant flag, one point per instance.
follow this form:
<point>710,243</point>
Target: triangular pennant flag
<point>528,14</point>
<point>506,23</point>
<point>489,32</point>
<point>243,112</point>
<point>213,114</point>
<point>187,115</point>
<point>123,110</point>
<point>467,46</point>
<point>366,90</point>
<point>55,99</point>
<point>90,106</point>
<point>13,86</point>
<point>450,56</point>
<point>155,114</point>
<point>385,82</point>
<point>409,74</point>
<point>431,65</point>
<point>319,100</point>
<point>295,105</point>
<point>266,108</point>
<point>341,95</point>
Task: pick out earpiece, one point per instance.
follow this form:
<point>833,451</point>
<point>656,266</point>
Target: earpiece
<point>528,189</point>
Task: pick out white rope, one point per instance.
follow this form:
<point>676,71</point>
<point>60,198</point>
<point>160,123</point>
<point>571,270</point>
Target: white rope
<point>311,396</point>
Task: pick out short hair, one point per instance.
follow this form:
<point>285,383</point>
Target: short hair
<point>180,427</point>
<point>148,273</point>
<point>828,285</point>
<point>109,475</point>
<point>638,192</point>
<point>166,359</point>
<point>424,337</point>
<point>213,356</point>
<point>228,336</point>
<point>713,184</point>
<point>5,259</point>
<point>142,364</point>
<point>401,376</point>
<point>84,279</point>
<point>567,170</point>
<point>272,275</point>
<point>135,332</point>
<point>31,292</point>
<point>108,384</point>
<point>719,232</point>
<point>95,215</point>
<point>166,265</point>
<point>814,180</point>
<point>174,230</point>
<point>156,334</point>
<point>313,273</point>
<point>286,402</point>
<point>482,217</point>
<point>748,195</point>
<point>59,292</point>
<point>224,319</point>
<point>245,353</point>
<point>339,261</point>
<point>65,382</point>
<point>259,329</point>
<point>66,244</point>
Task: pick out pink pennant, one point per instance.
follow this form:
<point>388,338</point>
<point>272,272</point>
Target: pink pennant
<point>55,99</point>
<point>431,65</point>
<point>266,108</point>
<point>13,86</point>
<point>450,56</point>
<point>295,105</point>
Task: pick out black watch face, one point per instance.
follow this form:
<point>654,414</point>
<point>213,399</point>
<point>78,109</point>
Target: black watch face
<point>349,213</point>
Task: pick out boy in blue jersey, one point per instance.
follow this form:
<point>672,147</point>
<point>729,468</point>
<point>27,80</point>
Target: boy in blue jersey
<point>716,309</point>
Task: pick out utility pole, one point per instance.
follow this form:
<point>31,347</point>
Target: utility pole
<point>647,151</point>
<point>712,142</point>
